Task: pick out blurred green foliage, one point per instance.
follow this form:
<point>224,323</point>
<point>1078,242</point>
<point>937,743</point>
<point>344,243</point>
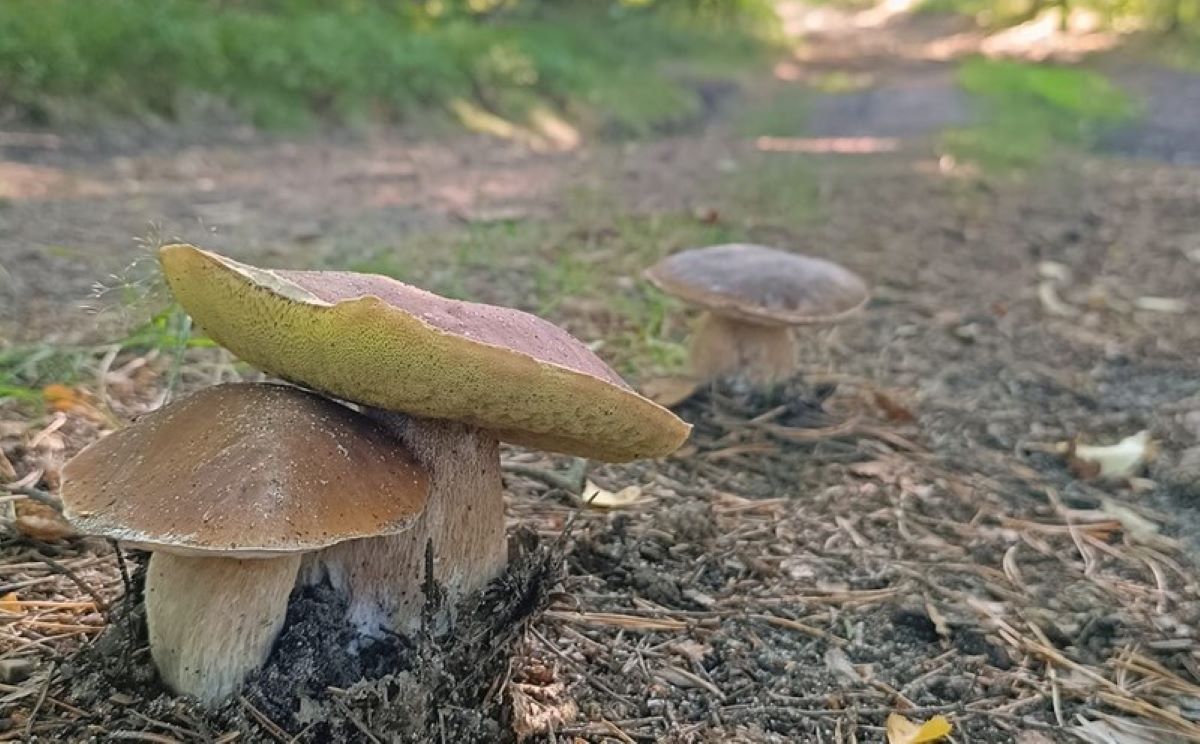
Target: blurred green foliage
<point>1176,16</point>
<point>288,63</point>
<point>1030,108</point>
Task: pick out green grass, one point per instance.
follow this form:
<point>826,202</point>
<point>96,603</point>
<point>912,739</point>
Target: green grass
<point>584,269</point>
<point>26,369</point>
<point>1030,109</point>
<point>292,63</point>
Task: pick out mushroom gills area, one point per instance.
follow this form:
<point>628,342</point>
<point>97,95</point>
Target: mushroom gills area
<point>212,621</point>
<point>726,347</point>
<point>383,577</point>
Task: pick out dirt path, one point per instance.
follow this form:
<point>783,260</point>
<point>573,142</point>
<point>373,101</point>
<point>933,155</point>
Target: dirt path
<point>938,556</point>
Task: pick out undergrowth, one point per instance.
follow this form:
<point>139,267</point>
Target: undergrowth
<point>1029,109</point>
<point>294,63</point>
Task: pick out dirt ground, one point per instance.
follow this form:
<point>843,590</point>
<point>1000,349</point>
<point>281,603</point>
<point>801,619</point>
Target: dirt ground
<point>898,530</point>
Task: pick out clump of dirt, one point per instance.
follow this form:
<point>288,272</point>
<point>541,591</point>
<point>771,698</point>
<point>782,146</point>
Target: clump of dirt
<point>316,685</point>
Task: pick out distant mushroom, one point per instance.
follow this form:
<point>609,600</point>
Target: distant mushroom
<point>228,488</point>
<point>753,296</point>
<point>452,379</point>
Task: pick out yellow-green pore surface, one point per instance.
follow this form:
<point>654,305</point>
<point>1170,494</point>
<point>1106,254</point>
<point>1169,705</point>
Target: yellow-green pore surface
<point>375,341</point>
<point>245,470</point>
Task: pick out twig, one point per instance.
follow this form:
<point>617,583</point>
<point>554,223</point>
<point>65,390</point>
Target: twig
<point>40,701</point>
<point>357,723</point>
<point>36,494</point>
<point>75,579</point>
<point>271,727</point>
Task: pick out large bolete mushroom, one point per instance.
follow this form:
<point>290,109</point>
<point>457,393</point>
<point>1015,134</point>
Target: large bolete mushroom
<point>452,379</point>
<point>228,488</point>
<point>753,297</point>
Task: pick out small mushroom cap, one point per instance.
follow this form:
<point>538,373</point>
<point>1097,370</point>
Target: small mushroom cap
<point>246,471</point>
<point>378,342</point>
<point>761,285</point>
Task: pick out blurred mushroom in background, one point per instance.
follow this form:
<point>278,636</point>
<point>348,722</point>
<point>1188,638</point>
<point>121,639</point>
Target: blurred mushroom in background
<point>753,298</point>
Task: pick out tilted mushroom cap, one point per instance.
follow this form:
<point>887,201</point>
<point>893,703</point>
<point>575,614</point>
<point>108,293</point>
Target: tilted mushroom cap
<point>761,285</point>
<point>245,470</point>
<point>377,342</point>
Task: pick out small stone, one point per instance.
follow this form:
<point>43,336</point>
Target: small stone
<point>13,671</point>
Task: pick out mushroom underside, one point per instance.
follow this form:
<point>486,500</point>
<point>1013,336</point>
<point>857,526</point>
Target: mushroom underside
<point>384,577</point>
<point>213,620</point>
<point>724,347</point>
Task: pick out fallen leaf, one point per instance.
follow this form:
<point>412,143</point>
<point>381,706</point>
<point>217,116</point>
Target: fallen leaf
<point>1161,305</point>
<point>7,471</point>
<point>1051,302</point>
<point>893,409</point>
<point>1055,271</point>
<point>1121,460</point>
<point>840,666</point>
<point>597,497</point>
<point>939,620</point>
<point>1113,730</point>
<point>9,603</point>
<point>60,397</point>
<point>538,709</point>
<point>40,522</point>
<point>900,730</point>
<point>1138,528</point>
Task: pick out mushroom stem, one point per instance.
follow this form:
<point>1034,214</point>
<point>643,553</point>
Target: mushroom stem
<point>724,346</point>
<point>212,621</point>
<point>463,519</point>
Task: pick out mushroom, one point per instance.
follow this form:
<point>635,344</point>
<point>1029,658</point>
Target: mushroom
<point>451,379</point>
<point>228,488</point>
<point>753,296</point>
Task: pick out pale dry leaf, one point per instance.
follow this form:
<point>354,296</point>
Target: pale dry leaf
<point>1121,460</point>
<point>1171,305</point>
<point>599,498</point>
<point>1054,270</point>
<point>1033,737</point>
<point>538,709</point>
<point>7,471</point>
<point>900,730</point>
<point>10,603</point>
<point>1139,528</point>
<point>939,620</point>
<point>1052,303</point>
<point>840,666</point>
<point>40,522</point>
<point>692,650</point>
<point>1113,730</point>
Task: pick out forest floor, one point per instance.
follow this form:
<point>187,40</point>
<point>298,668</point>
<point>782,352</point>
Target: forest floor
<point>901,530</point>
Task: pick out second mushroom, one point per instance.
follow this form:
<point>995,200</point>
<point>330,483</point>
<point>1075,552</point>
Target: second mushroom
<point>753,298</point>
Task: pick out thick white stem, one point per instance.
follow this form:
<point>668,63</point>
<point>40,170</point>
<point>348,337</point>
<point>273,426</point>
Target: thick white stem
<point>724,347</point>
<point>212,621</point>
<point>464,521</point>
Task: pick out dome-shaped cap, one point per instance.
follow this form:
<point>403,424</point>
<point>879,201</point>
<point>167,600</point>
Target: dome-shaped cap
<point>378,342</point>
<point>761,285</point>
<point>245,470</point>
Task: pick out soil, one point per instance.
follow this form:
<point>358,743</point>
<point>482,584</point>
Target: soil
<point>318,684</point>
<point>896,530</point>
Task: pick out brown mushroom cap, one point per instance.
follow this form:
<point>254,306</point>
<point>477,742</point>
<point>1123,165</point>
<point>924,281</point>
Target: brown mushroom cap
<point>377,342</point>
<point>245,470</point>
<point>761,285</point>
